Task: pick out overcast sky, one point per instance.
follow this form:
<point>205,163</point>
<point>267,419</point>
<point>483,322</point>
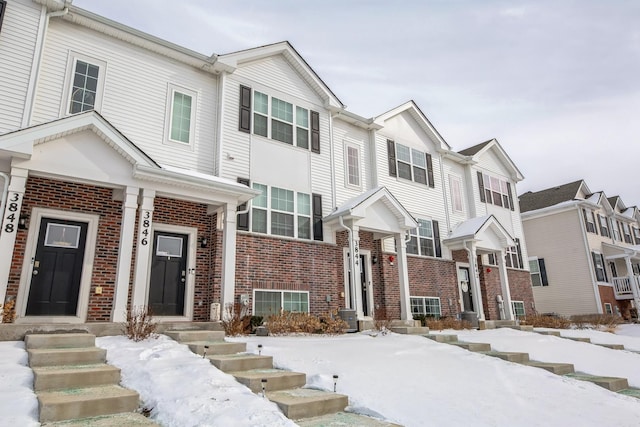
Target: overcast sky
<point>557,83</point>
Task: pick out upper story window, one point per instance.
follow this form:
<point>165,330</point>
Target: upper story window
<point>455,188</point>
<point>615,229</point>
<point>589,220</point>
<point>85,85</point>
<point>181,113</point>
<point>425,240</point>
<point>604,226</point>
<point>352,163</point>
<point>636,235</point>
<point>410,164</point>
<point>513,256</point>
<point>538,272</point>
<point>279,120</point>
<point>599,267</point>
<point>627,233</point>
<point>495,191</point>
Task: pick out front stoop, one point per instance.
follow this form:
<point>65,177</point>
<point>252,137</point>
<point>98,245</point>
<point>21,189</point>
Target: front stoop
<point>610,383</point>
<point>344,419</point>
<point>128,419</point>
<point>554,368</point>
<point>442,338</point>
<point>73,383</point>
<point>471,346</point>
<point>305,402</point>
<point>509,356</point>
<point>277,379</point>
<point>410,330</point>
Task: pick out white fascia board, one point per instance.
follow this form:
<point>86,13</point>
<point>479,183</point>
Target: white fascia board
<point>551,210</point>
<point>503,156</point>
<point>354,119</point>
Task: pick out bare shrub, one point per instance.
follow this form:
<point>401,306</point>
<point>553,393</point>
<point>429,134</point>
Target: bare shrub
<point>139,324</point>
<point>332,324</point>
<point>305,323</point>
<point>382,323</point>
<point>596,321</point>
<point>546,321</point>
<point>9,311</point>
<point>446,323</point>
<point>235,319</point>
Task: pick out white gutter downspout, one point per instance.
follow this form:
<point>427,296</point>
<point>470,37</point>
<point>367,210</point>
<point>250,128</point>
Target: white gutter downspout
<point>5,191</point>
<point>352,266</point>
<point>34,78</point>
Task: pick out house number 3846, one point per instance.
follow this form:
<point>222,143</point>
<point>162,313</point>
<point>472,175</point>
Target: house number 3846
<point>12,213</point>
<point>144,229</point>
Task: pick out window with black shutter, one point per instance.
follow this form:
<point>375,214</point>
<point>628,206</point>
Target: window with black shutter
<point>315,132</point>
<point>436,239</point>
<point>391,152</point>
<point>510,196</point>
<point>481,187</point>
<point>317,216</point>
<point>245,109</point>
<point>430,180</point>
<point>598,265</point>
<point>538,272</point>
<point>243,219</point>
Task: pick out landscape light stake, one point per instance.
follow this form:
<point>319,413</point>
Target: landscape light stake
<point>204,353</point>
<point>259,349</point>
<point>335,382</point>
<point>263,382</point>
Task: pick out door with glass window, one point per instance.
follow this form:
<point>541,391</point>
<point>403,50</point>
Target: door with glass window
<point>168,274</point>
<point>57,268</point>
<point>465,288</point>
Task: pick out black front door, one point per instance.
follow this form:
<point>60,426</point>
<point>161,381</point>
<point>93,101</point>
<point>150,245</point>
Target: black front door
<point>465,288</point>
<point>57,268</point>
<point>363,285</point>
<point>168,274</point>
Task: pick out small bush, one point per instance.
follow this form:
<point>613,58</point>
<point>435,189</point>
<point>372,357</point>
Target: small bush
<point>9,311</point>
<point>292,323</point>
<point>235,319</point>
<point>139,324</point>
<point>446,323</point>
<point>546,321</point>
<point>596,321</point>
<point>382,323</point>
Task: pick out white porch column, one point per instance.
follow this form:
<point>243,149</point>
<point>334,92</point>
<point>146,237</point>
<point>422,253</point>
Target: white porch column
<point>474,278</point>
<point>356,276</point>
<point>143,249</point>
<point>633,282</point>
<point>10,220</point>
<point>403,275</point>
<point>504,283</point>
<point>228,285</point>
<point>125,253</point>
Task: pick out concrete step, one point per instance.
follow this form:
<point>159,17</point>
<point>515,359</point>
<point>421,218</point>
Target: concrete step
<point>554,368</point>
<point>306,403</point>
<point>216,347</point>
<point>74,376</point>
<point>610,383</point>
<point>579,339</point>
<point>472,346</point>
<point>277,379</point>
<point>526,328</point>
<point>77,403</point>
<point>71,340</point>
<point>344,419</point>
<point>126,419</point>
<point>444,338</point>
<point>554,333</point>
<point>611,346</point>
<point>241,362</point>
<point>633,392</point>
<point>508,356</point>
<point>66,356</point>
<point>410,330</point>
<point>189,335</point>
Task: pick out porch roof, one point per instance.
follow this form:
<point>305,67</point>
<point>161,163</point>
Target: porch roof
<point>613,251</point>
<point>486,231</point>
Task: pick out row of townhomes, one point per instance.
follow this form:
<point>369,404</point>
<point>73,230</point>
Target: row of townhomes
<point>584,250</point>
<point>140,173</point>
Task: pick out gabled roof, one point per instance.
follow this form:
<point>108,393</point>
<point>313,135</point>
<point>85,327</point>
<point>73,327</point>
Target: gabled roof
<point>284,48</point>
<point>616,203</point>
<point>475,152</point>
<point>418,115</point>
<point>475,229</point>
<point>530,201</point>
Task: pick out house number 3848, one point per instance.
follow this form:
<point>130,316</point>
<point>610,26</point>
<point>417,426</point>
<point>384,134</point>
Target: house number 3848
<point>12,213</point>
<point>144,229</point>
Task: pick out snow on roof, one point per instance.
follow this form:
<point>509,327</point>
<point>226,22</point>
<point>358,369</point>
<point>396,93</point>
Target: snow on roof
<point>352,203</point>
<point>469,227</point>
<point>201,175</point>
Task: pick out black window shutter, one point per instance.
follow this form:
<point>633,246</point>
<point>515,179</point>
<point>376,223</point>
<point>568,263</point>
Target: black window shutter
<point>600,224</point>
<point>595,257</point>
<point>595,226</point>
<point>586,221</point>
<point>391,152</point>
<point>317,216</point>
<point>315,132</point>
<point>243,219</point>
<point>543,272</point>
<point>244,123</point>
<point>430,180</point>
<point>481,187</point>
<point>3,6</point>
<point>436,239</point>
<point>604,268</point>
<point>510,195</point>
<point>519,252</point>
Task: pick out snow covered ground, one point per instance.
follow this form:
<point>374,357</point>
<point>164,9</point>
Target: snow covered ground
<point>406,379</point>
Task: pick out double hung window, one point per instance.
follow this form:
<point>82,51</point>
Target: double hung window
<point>538,272</point>
<point>495,191</point>
<point>272,302</point>
<point>518,308</point>
<point>85,84</point>
<point>426,306</point>
<point>410,164</point>
<point>425,240</point>
<point>281,212</point>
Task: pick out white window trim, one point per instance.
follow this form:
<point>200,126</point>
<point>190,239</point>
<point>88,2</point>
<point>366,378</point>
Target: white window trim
<point>281,292</point>
<point>72,58</point>
<point>418,237</point>
<point>269,115</point>
<point>171,89</point>
<point>348,184</point>
<point>604,268</point>
<point>427,298</point>
<point>486,178</point>
<point>539,273</point>
<point>457,179</point>
<point>296,214</point>
<point>610,308</point>
<point>524,308</point>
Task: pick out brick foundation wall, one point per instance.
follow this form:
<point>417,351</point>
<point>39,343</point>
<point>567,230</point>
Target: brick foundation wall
<point>607,295</point>
<point>431,277</point>
<point>521,290</point>
<point>82,198</point>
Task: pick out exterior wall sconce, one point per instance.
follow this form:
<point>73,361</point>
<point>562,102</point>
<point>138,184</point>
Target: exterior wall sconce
<point>391,259</point>
<point>22,222</point>
<point>488,269</point>
<point>374,260</point>
<point>204,242</point>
